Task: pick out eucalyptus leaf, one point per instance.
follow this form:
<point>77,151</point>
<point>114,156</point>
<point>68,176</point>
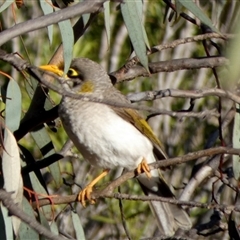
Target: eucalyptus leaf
<point>11,168</point>
<point>6,228</point>
<point>85,16</point>
<point>236,143</point>
<point>26,232</point>
<point>6,4</point>
<point>106,6</point>
<point>132,21</point>
<point>197,12</point>
<point>13,109</point>
<point>77,226</point>
<point>46,8</point>
<point>139,5</point>
<point>67,41</point>
<point>46,147</point>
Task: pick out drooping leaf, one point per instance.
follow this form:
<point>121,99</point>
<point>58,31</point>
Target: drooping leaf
<point>39,189</point>
<point>54,227</point>
<point>6,225</point>
<point>13,106</point>
<point>139,5</point>
<point>132,21</point>
<point>11,168</point>
<point>26,232</point>
<point>236,143</point>
<point>67,41</point>
<point>77,226</point>
<point>106,6</point>
<point>85,16</point>
<point>45,145</point>
<point>44,222</point>
<point>5,5</point>
<point>197,12</point>
<point>234,58</point>
<point>46,8</point>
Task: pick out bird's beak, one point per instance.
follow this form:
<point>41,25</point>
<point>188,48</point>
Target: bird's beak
<point>53,68</point>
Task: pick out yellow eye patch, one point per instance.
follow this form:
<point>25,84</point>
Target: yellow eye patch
<point>72,73</point>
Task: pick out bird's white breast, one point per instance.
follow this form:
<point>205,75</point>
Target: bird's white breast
<point>104,138</point>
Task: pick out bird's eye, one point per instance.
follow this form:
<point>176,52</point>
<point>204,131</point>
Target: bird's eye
<point>72,73</point>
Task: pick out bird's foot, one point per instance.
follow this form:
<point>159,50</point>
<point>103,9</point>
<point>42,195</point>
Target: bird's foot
<point>85,194</point>
<point>143,167</point>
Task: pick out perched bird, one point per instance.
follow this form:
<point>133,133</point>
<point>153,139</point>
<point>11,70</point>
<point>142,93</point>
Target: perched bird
<point>110,137</point>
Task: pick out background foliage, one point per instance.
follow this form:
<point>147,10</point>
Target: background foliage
<point>193,117</point>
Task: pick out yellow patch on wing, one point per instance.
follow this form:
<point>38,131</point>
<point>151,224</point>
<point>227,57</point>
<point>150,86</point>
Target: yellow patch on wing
<point>86,87</point>
<point>142,125</point>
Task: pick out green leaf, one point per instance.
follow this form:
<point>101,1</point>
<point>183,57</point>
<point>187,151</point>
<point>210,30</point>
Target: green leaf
<point>6,226</point>
<point>54,227</point>
<point>67,41</point>
<point>45,145</point>
<point>77,226</point>
<point>236,143</point>
<point>26,232</point>
<point>139,5</point>
<point>234,58</point>
<point>197,12</point>
<point>11,169</point>
<point>46,8</point>
<point>85,16</point>
<point>13,109</point>
<point>106,7</point>
<point>6,4</point>
<point>44,222</point>
<point>38,188</point>
<point>132,21</point>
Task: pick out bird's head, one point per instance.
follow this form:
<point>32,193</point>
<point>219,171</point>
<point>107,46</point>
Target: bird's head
<point>84,76</point>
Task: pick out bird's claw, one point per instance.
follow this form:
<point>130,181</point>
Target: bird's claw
<point>85,194</point>
<point>143,167</point>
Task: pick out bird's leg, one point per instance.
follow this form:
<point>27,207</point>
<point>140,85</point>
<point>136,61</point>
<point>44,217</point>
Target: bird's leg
<point>86,192</point>
<point>143,167</point>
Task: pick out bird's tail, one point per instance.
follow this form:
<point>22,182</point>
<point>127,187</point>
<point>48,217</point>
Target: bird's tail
<point>169,217</point>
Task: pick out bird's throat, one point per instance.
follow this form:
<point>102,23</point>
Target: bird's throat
<point>86,87</point>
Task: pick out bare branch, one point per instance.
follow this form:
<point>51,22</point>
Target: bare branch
<point>191,39</point>
<point>55,17</point>
<point>126,74</point>
<point>152,95</point>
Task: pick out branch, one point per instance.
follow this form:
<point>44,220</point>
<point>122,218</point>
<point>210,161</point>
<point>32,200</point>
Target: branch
<point>13,209</point>
<point>34,71</point>
<point>152,95</point>
<point>126,74</point>
<point>107,191</point>
<point>68,199</point>
<point>200,37</point>
<point>133,61</point>
<point>88,6</point>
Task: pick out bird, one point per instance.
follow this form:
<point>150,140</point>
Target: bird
<point>110,136</point>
